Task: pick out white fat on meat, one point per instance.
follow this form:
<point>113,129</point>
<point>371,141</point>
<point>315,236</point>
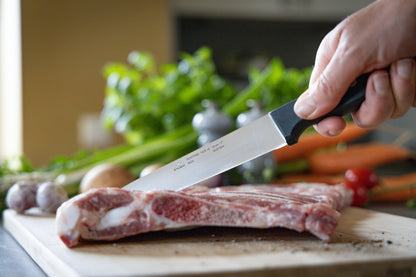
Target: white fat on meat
<point>115,216</point>
<point>67,222</point>
<point>111,213</point>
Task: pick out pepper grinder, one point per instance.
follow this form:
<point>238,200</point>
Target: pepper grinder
<point>261,169</point>
<point>211,124</point>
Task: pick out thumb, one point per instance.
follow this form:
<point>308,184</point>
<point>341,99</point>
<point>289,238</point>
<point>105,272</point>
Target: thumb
<point>326,92</point>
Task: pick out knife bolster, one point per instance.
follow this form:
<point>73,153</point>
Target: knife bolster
<point>289,124</point>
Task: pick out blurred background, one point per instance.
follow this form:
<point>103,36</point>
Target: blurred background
<point>53,53</point>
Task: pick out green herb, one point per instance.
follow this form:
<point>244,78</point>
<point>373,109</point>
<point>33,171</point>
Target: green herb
<point>297,166</point>
<point>141,103</point>
<point>411,203</point>
<point>15,165</point>
<point>274,87</point>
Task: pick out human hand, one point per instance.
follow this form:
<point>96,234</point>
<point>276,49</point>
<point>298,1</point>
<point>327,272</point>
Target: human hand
<point>382,35</point>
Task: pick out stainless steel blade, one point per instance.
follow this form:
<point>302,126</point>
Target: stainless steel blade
<point>253,140</point>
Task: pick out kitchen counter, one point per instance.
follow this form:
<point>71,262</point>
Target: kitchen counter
<point>14,261</point>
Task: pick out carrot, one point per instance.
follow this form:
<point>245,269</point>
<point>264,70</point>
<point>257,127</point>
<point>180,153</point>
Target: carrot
<point>312,141</point>
<point>395,189</point>
<point>311,178</point>
<point>358,155</point>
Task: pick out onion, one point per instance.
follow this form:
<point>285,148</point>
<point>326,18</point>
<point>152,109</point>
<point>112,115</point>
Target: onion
<point>149,169</point>
<point>50,196</point>
<point>21,196</point>
<point>106,175</point>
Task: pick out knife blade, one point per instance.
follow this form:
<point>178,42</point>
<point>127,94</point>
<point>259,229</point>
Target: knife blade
<point>276,129</point>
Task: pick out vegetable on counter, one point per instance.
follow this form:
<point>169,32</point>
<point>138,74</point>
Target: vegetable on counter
<point>363,176</point>
<point>25,195</point>
<point>149,169</point>
<point>106,175</point>
<point>311,141</point>
<point>360,180</point>
<point>395,189</point>
<point>359,155</point>
<point>50,196</point>
<point>360,196</point>
<point>311,178</point>
<point>382,189</point>
<point>273,87</point>
<point>22,196</point>
<point>142,101</point>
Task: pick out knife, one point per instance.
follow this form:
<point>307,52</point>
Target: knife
<point>276,129</point>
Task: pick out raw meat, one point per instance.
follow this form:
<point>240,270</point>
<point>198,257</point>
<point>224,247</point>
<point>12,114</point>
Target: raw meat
<point>111,213</point>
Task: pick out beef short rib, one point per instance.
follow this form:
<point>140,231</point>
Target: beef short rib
<point>111,213</point>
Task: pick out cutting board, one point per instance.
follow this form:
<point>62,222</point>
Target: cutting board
<point>365,243</point>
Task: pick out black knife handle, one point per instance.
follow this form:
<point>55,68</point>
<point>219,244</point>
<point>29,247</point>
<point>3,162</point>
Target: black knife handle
<point>292,126</point>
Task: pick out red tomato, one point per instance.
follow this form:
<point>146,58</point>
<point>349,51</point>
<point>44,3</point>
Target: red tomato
<point>360,180</point>
<point>362,176</point>
<point>360,196</point>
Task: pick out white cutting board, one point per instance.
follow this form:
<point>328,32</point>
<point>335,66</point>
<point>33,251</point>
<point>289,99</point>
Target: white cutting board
<point>366,243</point>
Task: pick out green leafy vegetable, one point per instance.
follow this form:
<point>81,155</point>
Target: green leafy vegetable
<point>141,103</point>
<point>15,165</point>
<point>274,87</point>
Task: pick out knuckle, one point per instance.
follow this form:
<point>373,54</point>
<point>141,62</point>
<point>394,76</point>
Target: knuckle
<point>404,95</point>
<point>326,89</point>
<point>404,69</point>
<point>373,114</point>
<point>365,121</point>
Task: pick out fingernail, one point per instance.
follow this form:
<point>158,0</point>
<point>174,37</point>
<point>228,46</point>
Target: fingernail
<point>405,68</point>
<point>304,106</point>
<point>381,83</point>
<point>333,133</point>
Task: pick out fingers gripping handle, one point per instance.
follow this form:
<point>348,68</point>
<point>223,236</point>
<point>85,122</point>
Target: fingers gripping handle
<point>292,126</point>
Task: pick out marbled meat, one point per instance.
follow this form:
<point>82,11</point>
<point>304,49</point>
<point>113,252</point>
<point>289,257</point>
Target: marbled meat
<point>111,213</point>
